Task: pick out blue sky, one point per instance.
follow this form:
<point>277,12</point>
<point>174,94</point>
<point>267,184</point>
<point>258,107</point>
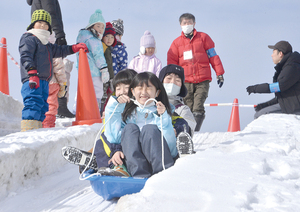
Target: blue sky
<point>241,30</point>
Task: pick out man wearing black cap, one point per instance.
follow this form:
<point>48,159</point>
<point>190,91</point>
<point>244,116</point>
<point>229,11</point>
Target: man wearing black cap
<point>286,82</point>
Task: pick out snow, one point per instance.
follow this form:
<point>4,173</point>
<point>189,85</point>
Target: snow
<point>256,169</point>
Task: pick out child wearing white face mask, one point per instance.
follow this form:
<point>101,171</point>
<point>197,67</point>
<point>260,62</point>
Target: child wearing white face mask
<point>194,51</point>
<point>172,77</point>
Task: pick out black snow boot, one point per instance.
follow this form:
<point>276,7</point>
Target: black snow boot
<point>199,117</point>
<point>63,111</point>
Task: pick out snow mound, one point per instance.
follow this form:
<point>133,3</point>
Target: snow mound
<point>37,153</point>
<point>256,169</point>
<point>10,115</point>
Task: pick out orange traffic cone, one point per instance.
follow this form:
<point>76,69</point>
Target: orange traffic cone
<point>87,111</point>
<point>4,88</point>
<point>234,123</point>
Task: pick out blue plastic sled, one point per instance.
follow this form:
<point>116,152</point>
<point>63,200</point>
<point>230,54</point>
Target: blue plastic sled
<point>110,187</point>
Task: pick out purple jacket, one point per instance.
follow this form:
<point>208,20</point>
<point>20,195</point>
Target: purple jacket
<point>142,63</point>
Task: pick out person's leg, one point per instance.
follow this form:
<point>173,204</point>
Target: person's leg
<point>102,151</point>
<point>270,109</point>
<point>189,98</point>
<point>45,93</point>
<point>50,119</point>
<point>151,143</point>
<point>98,86</point>
<point>200,95</point>
<point>135,160</point>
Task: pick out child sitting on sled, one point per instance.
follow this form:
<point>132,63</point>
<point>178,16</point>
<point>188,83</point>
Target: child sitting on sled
<point>134,130</point>
<point>102,153</point>
<point>172,77</point>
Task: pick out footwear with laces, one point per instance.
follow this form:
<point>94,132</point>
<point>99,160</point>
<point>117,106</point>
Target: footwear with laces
<point>119,170</point>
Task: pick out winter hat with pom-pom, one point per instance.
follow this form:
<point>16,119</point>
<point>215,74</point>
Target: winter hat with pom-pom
<point>40,15</point>
<point>147,40</point>
<point>118,26</point>
<point>110,30</point>
<point>96,18</point>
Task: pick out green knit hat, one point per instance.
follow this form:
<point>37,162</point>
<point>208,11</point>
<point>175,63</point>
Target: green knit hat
<point>40,15</point>
<point>96,18</point>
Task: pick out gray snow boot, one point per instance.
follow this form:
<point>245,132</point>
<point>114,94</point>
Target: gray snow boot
<point>199,117</point>
<point>79,157</point>
<point>63,111</point>
<point>184,144</point>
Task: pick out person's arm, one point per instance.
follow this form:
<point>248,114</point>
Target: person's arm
<point>214,59</point>
<point>53,7</point>
<point>173,54</point>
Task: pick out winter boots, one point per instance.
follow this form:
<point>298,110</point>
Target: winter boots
<point>79,157</point>
<point>30,125</point>
<point>184,144</point>
<point>63,111</point>
<point>49,121</point>
<point>119,170</point>
<point>199,117</point>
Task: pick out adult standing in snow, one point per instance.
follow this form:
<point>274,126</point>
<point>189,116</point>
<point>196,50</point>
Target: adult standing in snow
<point>53,7</point>
<point>286,82</point>
<point>119,53</point>
<point>194,51</point>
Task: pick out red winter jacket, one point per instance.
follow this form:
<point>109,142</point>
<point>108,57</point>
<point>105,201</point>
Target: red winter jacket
<point>196,69</point>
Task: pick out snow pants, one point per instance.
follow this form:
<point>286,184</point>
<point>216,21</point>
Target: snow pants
<point>143,150</point>
<point>102,152</point>
<point>50,119</point>
<point>196,96</point>
<point>35,101</point>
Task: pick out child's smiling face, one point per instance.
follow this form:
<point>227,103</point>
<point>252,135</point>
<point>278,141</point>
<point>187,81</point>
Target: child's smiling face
<point>41,25</point>
<point>122,89</point>
<point>144,92</point>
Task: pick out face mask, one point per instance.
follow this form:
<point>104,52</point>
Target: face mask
<point>172,89</point>
<point>187,28</point>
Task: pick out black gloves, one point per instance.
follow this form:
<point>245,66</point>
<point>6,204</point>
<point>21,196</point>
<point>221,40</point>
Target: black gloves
<point>61,41</point>
<point>261,106</point>
<point>259,88</point>
<point>220,81</point>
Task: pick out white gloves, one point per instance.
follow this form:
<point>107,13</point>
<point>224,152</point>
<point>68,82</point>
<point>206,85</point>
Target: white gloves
<point>104,75</point>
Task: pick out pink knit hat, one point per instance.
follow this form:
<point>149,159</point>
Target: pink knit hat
<point>147,40</point>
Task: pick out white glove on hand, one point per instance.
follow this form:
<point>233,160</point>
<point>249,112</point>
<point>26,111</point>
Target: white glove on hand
<point>104,75</point>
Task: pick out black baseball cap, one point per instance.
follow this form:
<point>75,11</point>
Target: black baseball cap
<point>283,46</point>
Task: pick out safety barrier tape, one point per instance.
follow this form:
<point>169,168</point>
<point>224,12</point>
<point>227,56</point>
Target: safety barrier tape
<point>228,104</point>
<point>12,59</point>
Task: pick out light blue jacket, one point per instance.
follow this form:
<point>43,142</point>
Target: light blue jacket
<point>96,54</point>
<point>141,117</point>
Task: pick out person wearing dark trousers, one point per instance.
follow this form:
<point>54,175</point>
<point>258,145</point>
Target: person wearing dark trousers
<point>286,82</point>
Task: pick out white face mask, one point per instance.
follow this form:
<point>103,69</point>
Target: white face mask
<point>187,28</point>
<point>172,89</point>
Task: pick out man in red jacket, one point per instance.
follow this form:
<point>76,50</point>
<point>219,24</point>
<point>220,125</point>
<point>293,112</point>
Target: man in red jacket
<point>194,51</point>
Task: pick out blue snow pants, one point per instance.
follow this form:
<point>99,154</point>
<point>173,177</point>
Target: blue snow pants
<point>143,150</point>
<point>35,101</point>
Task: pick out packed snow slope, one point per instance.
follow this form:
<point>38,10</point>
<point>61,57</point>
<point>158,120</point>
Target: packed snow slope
<point>256,169</point>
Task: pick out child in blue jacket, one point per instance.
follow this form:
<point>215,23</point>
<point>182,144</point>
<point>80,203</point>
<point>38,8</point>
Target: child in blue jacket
<point>134,129</point>
<point>36,54</point>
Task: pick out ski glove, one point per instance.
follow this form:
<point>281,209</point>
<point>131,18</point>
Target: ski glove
<point>77,47</point>
<point>104,75</point>
<point>220,81</point>
<point>259,88</point>
<point>34,80</point>
<point>261,106</point>
<point>61,41</point>
<point>62,90</point>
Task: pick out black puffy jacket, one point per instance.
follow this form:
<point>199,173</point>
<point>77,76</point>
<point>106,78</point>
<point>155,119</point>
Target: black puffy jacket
<point>288,76</point>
